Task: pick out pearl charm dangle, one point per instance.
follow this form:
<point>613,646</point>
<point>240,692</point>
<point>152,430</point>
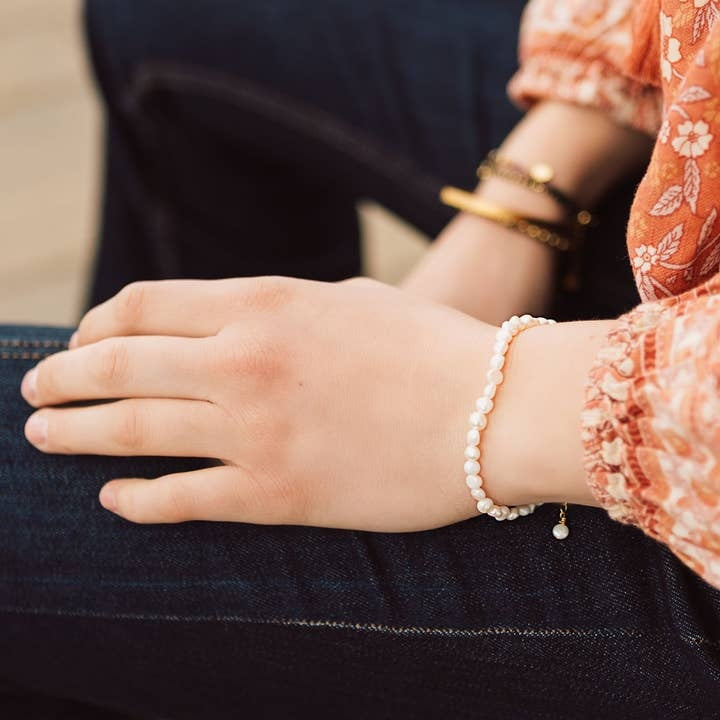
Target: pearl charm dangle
<point>561,530</point>
<point>479,419</point>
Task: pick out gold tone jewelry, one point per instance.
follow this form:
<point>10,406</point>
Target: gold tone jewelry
<point>543,232</point>
<point>538,179</point>
<point>561,530</point>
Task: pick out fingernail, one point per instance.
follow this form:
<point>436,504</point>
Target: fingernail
<point>29,385</point>
<point>36,429</point>
<point>72,343</point>
<point>108,499</point>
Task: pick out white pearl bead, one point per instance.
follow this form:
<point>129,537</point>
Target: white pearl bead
<point>489,390</point>
<point>472,452</point>
<point>494,376</point>
<point>473,481</point>
<point>484,505</point>
<point>484,404</point>
<point>479,420</point>
<point>561,531</point>
<point>497,361</point>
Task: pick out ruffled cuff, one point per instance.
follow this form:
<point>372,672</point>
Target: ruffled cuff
<point>589,83</point>
<point>651,425</point>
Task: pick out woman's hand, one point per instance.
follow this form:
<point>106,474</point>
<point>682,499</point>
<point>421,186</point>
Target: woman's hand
<point>336,405</point>
<point>341,405</point>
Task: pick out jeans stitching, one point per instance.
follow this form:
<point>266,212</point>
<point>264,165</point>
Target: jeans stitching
<point>17,343</point>
<point>24,355</point>
<point>317,123</point>
<point>401,630</point>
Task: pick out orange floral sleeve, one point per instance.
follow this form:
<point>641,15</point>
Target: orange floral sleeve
<point>651,424</point>
<point>575,50</point>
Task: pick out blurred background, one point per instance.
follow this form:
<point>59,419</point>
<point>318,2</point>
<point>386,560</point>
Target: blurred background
<point>49,140</point>
<point>49,169</point>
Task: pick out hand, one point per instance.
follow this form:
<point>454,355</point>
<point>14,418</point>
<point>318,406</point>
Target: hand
<point>337,405</point>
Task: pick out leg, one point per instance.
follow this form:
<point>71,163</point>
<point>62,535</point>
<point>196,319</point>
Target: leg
<point>239,138</point>
<point>218,620</point>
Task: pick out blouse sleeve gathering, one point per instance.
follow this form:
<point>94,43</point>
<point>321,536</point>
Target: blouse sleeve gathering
<point>651,424</point>
<point>576,51</point>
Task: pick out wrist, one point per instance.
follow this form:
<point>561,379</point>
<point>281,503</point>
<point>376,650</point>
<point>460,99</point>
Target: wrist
<point>485,270</point>
<point>533,442</point>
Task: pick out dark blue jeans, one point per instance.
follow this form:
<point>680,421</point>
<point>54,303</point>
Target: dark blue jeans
<point>209,104</point>
<point>241,135</point>
<point>221,620</point>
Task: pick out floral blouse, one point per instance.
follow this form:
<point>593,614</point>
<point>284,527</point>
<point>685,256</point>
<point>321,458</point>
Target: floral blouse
<point>651,424</point>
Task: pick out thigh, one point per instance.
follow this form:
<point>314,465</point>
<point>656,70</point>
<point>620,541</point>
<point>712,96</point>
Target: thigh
<point>219,620</point>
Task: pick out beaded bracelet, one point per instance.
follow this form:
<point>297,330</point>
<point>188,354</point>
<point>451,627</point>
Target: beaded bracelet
<point>478,422</point>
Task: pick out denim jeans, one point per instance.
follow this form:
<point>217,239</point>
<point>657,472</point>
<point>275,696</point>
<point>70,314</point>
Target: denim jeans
<point>240,135</point>
<point>209,104</point>
<point>226,620</point>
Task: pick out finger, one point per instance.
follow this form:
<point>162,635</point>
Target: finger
<point>121,368</point>
<point>174,428</point>
<point>224,493</point>
<point>187,308</point>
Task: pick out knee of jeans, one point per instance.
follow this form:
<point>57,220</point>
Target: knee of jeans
<point>118,35</point>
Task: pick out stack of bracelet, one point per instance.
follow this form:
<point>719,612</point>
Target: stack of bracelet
<point>479,420</point>
<point>567,236</point>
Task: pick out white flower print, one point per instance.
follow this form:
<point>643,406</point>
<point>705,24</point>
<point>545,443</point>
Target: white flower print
<point>664,132</point>
<point>693,139</point>
<point>645,257</point>
<point>670,47</point>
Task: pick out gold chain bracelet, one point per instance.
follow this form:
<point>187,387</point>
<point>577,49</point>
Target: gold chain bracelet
<point>543,232</point>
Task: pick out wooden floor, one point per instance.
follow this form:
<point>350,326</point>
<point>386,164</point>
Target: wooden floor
<point>49,161</point>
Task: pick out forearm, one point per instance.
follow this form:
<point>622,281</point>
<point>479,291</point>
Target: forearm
<point>491,272</point>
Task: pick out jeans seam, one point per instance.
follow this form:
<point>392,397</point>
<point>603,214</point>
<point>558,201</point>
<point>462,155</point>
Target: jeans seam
<point>380,628</point>
<point>24,356</point>
<point>315,122</point>
<point>45,344</point>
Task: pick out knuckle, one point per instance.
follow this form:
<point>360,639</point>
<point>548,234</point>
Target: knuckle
<point>56,436</point>
<point>130,304</point>
<point>274,498</point>
<point>110,363</point>
<point>259,356</point>
<point>46,379</point>
<point>177,505</point>
<point>360,281</point>
<point>129,435</point>
<point>270,292</point>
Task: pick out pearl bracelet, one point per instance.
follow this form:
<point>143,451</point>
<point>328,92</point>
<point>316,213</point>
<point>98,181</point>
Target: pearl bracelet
<point>479,419</point>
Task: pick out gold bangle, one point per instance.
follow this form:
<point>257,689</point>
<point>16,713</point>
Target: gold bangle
<point>543,232</point>
<point>538,179</point>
